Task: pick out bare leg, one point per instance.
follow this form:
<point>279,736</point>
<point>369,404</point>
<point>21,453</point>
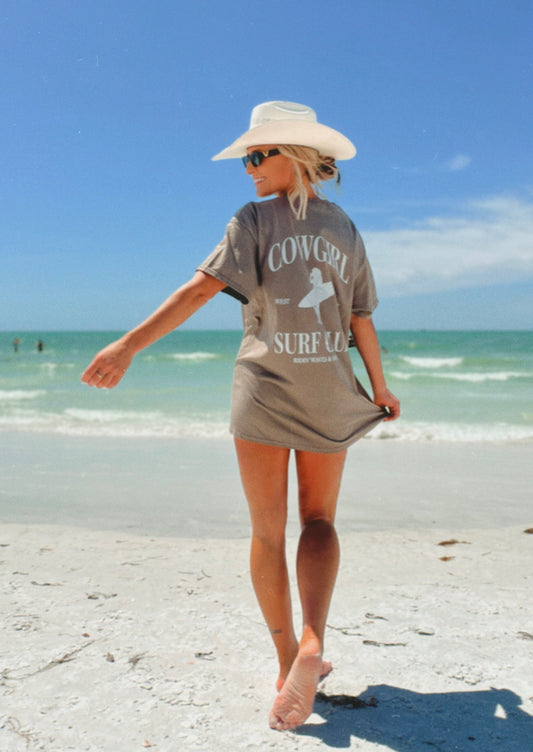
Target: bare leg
<point>264,478</point>
<point>319,477</point>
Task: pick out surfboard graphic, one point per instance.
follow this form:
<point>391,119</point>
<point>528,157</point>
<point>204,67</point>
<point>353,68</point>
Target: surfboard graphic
<point>320,291</point>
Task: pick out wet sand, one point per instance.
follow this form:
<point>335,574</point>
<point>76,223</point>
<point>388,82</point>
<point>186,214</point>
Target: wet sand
<point>129,621</point>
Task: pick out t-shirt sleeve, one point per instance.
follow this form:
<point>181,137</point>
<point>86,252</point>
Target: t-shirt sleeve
<point>234,259</point>
<point>364,295</point>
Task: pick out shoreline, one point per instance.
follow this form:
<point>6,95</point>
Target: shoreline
<point>191,488</point>
<point>129,620</point>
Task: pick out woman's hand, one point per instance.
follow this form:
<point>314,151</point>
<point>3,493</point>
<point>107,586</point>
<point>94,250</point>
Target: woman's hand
<point>387,399</point>
<point>108,366</point>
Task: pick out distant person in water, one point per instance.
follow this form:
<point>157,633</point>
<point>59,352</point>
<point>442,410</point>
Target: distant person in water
<point>298,265</point>
<point>16,343</point>
<point>39,345</point>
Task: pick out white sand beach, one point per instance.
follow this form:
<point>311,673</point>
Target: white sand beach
<point>129,621</point>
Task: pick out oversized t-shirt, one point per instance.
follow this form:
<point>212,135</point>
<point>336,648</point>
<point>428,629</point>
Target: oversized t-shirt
<point>299,281</point>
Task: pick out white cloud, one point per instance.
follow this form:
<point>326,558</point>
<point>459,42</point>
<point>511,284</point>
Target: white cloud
<point>489,242</point>
<point>459,162</point>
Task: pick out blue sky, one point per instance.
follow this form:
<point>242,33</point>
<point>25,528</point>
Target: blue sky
<point>112,109</point>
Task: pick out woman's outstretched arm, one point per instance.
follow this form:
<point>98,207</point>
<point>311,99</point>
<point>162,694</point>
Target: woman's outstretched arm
<point>366,341</point>
<point>111,363</point>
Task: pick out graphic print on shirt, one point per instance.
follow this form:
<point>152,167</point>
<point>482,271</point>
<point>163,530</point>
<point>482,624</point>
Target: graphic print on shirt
<point>320,291</point>
<point>323,344</point>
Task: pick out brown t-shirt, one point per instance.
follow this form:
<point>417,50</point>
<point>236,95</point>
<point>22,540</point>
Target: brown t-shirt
<point>299,281</point>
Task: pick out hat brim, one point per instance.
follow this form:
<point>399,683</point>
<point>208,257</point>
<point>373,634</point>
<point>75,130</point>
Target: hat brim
<point>327,141</point>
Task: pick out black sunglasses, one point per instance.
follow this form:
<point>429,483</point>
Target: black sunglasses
<point>256,157</point>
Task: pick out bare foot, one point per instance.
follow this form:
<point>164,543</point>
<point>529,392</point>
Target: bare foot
<point>294,703</point>
<point>325,670</point>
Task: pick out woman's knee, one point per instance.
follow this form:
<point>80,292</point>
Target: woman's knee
<point>269,544</point>
<point>320,526</point>
<point>314,508</point>
<point>269,533</point>
<point>319,540</point>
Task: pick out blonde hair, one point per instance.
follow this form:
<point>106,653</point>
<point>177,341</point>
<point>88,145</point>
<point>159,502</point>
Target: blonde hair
<point>317,167</point>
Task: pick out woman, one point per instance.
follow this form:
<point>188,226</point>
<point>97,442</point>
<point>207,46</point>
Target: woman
<point>298,265</point>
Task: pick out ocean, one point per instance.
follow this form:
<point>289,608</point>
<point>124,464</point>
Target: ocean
<point>453,386</point>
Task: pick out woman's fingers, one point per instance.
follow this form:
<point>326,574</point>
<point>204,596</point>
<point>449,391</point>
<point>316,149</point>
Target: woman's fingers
<point>102,374</point>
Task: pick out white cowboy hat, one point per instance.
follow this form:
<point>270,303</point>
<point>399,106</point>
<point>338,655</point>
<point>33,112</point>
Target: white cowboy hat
<point>289,123</point>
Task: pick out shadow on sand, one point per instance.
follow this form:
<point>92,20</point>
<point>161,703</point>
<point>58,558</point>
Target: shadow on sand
<point>404,721</point>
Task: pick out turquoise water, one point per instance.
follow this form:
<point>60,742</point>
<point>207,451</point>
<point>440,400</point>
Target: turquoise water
<point>454,386</point>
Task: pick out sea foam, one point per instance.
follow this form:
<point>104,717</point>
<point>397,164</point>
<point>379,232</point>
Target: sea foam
<point>419,431</point>
<point>432,362</point>
<point>471,377</point>
<point>15,395</point>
